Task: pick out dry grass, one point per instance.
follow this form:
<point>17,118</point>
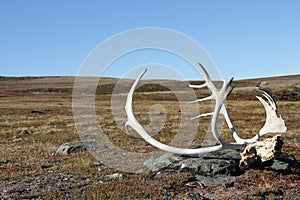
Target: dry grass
<point>29,104</point>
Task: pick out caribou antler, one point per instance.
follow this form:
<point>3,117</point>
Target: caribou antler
<point>273,123</point>
<point>219,97</point>
<point>134,124</point>
<point>208,83</point>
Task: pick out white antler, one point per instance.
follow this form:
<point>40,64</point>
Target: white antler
<point>273,123</point>
<point>219,97</point>
<point>133,123</point>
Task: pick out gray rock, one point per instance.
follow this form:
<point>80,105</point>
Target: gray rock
<point>113,177</point>
<point>225,154</point>
<point>213,169</point>
<point>4,162</point>
<point>213,163</point>
<point>161,162</point>
<point>279,165</point>
<point>284,162</point>
<point>24,132</point>
<point>98,164</point>
<point>215,180</point>
<point>72,147</point>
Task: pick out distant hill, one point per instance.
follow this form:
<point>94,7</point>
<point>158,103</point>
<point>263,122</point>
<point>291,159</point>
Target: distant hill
<point>282,87</point>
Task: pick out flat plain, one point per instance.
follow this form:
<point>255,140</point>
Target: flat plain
<point>43,107</point>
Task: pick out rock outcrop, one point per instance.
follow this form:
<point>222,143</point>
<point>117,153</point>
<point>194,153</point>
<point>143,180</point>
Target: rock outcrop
<point>213,169</point>
<point>72,147</point>
<point>223,167</point>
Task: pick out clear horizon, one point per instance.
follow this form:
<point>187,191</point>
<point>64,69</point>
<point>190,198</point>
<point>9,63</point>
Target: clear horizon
<point>244,39</point>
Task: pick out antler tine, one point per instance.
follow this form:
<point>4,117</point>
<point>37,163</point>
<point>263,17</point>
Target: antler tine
<point>273,122</point>
<point>203,99</point>
<point>203,115</point>
<point>208,83</point>
<point>267,94</point>
<point>198,86</point>
<point>271,101</point>
<point>208,80</point>
<point>128,106</point>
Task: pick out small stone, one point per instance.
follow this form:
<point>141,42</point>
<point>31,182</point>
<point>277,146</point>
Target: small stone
<point>46,166</point>
<point>36,112</point>
<point>161,113</point>
<point>17,140</point>
<point>280,166</point>
<point>194,184</point>
<point>98,164</point>
<point>73,147</point>
<point>4,162</point>
<point>113,177</point>
<point>24,132</point>
<point>229,184</point>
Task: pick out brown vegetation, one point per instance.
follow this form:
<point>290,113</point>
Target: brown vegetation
<point>43,107</point>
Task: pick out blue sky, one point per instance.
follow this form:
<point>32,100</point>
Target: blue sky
<point>245,39</point>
